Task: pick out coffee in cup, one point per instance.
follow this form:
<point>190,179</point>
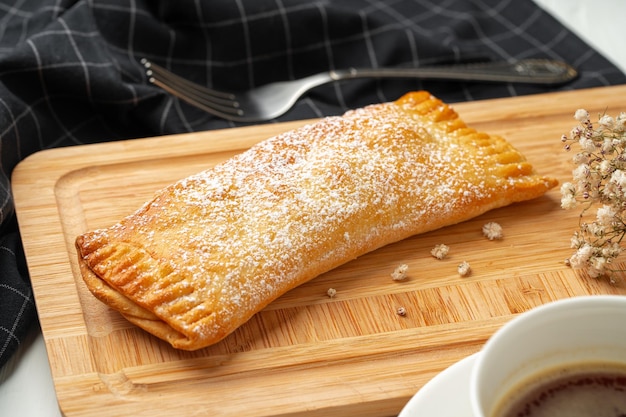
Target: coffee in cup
<point>580,390</point>
<point>565,358</point>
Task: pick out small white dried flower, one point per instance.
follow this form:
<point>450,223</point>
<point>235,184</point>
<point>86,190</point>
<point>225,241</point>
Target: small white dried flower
<point>618,178</point>
<point>568,202</point>
<point>575,241</point>
<point>605,215</point>
<point>568,188</point>
<point>580,158</point>
<point>574,134</point>
<point>598,265</point>
<point>331,292</point>
<point>611,250</point>
<point>606,122</point>
<point>605,167</point>
<point>620,122</point>
<point>464,269</point>
<point>587,144</point>
<point>581,174</point>
<point>440,251</point>
<point>580,258</point>
<point>399,274</point>
<point>492,230</point>
<point>581,115</point>
<point>401,311</point>
<point>607,145</point>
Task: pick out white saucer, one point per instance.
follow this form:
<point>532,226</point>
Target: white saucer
<point>446,395</point>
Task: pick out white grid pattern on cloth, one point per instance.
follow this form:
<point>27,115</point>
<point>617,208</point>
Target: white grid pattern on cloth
<point>70,71</point>
<point>330,55</point>
<point>287,33</point>
<point>10,335</point>
<point>17,304</point>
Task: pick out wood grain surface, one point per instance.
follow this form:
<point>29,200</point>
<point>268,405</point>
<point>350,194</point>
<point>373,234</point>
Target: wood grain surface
<point>306,354</point>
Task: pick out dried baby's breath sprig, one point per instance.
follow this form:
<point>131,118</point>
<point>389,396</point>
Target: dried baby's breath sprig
<point>331,292</point>
<point>399,274</point>
<point>598,182</point>
<point>492,231</point>
<point>440,251</point>
<point>464,269</point>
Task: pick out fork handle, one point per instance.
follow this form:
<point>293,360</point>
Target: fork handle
<point>533,71</point>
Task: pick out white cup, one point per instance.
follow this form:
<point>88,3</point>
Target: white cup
<point>565,332</point>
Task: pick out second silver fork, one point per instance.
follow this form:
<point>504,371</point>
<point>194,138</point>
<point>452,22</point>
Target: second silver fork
<point>272,100</point>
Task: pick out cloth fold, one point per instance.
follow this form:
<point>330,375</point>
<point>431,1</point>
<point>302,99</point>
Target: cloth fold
<point>70,73</point>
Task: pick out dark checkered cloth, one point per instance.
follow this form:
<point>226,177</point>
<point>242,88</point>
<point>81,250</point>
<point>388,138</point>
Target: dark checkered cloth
<point>70,73</point>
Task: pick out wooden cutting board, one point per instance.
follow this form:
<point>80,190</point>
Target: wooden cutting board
<point>305,354</point>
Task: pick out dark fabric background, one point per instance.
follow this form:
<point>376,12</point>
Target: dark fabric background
<point>70,73</point>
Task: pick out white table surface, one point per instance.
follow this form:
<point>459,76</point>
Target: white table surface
<point>26,387</point>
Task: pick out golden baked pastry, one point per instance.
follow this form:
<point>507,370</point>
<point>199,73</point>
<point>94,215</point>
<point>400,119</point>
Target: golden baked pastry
<point>211,250</point>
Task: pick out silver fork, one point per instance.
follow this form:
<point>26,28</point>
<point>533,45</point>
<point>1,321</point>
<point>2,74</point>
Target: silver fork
<point>272,100</point>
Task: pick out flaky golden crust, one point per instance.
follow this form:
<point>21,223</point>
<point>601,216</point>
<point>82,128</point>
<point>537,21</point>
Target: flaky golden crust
<point>211,250</point>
